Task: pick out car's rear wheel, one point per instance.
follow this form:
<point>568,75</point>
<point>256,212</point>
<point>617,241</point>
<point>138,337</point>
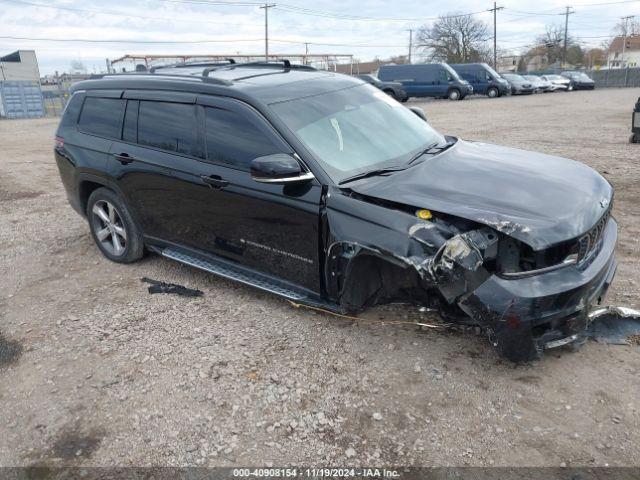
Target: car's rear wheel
<point>454,94</point>
<point>112,227</point>
<point>493,92</point>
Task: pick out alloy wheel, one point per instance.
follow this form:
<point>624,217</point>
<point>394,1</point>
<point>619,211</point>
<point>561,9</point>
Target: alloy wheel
<point>109,228</point>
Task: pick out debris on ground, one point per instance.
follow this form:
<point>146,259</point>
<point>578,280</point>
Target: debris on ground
<point>162,287</point>
<point>615,325</point>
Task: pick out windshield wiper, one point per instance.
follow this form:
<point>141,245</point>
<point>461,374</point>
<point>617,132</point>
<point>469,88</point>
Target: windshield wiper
<point>371,173</point>
<point>435,147</point>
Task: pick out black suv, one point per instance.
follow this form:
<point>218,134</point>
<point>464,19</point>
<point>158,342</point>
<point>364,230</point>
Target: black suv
<point>324,190</point>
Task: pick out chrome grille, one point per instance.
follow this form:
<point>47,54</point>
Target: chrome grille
<point>590,241</point>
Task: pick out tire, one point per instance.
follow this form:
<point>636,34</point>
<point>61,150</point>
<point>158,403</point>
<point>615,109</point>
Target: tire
<point>112,227</point>
<point>454,94</point>
<point>570,88</point>
<point>391,93</point>
<point>493,92</point>
<point>634,138</point>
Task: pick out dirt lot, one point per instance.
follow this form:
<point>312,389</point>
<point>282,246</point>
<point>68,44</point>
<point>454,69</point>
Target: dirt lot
<point>95,371</point>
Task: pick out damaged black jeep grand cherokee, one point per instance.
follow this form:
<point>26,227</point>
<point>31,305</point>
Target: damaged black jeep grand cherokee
<point>324,190</point>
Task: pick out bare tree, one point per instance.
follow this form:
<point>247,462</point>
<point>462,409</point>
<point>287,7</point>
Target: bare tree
<point>625,28</point>
<point>456,39</point>
<point>551,44</point>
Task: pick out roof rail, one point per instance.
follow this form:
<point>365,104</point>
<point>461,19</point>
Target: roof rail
<point>286,65</point>
<point>230,61</point>
<point>213,80</point>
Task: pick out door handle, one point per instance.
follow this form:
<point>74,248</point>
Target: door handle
<point>215,181</point>
<point>123,158</point>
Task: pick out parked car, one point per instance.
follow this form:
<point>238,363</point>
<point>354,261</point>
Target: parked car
<point>519,85</point>
<point>539,85</point>
<point>324,190</point>
<point>427,80</point>
<point>395,89</point>
<point>558,82</point>
<point>484,79</point>
<point>579,80</point>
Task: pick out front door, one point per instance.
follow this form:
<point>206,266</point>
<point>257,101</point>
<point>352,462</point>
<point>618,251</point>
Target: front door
<point>205,198</point>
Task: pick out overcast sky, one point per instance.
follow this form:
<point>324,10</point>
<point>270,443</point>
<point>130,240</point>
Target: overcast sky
<point>370,28</point>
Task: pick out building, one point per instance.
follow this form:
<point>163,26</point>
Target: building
<point>20,93</point>
<point>631,56</point>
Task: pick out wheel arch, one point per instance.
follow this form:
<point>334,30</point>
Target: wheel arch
<point>359,277</point>
<point>88,183</point>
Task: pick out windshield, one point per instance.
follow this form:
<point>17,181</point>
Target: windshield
<point>451,71</point>
<point>512,76</point>
<point>356,129</point>
<point>493,73</point>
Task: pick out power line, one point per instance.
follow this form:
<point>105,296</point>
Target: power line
<point>123,14</point>
<point>91,40</point>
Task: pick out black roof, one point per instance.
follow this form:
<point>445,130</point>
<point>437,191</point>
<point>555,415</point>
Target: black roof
<point>266,82</point>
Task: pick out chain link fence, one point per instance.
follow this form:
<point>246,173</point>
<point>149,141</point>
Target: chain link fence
<point>619,77</point>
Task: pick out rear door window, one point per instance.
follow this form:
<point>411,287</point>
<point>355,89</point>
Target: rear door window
<point>169,126</point>
<point>234,140</point>
<point>102,117</point>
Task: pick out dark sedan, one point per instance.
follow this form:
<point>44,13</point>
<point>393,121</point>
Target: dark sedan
<point>519,84</point>
<point>579,80</point>
<point>395,89</point>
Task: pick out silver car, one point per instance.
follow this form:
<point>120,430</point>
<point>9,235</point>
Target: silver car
<point>539,84</point>
<point>558,82</point>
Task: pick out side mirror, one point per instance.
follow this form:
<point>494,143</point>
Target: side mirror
<point>278,168</point>
<point>419,112</point>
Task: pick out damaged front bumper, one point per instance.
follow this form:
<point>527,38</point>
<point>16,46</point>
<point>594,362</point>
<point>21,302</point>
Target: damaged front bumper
<point>527,315</point>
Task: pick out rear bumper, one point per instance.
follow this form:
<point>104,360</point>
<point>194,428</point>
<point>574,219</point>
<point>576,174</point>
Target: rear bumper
<point>527,315</point>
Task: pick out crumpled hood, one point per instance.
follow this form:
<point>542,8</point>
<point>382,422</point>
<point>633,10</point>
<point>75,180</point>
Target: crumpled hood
<point>538,199</point>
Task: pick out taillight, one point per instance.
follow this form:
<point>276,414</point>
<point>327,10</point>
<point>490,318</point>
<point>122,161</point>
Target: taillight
<point>59,142</point>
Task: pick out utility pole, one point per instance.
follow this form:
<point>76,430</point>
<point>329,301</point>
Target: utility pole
<point>624,39</point>
<point>566,32</point>
<point>495,34</point>
<point>410,44</point>
<point>266,7</point>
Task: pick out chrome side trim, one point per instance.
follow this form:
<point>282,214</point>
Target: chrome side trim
<point>570,260</point>
<point>300,178</point>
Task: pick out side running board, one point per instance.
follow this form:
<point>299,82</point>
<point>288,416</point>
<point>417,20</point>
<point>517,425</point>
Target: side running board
<point>226,269</point>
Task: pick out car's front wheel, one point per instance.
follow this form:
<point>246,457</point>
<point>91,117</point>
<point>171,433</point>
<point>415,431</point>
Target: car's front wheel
<point>454,94</point>
<point>112,227</point>
<point>493,92</point>
<point>391,93</point>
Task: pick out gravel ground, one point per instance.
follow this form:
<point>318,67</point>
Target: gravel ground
<point>95,371</point>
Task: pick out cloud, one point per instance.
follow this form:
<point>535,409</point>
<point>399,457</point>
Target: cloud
<point>181,20</point>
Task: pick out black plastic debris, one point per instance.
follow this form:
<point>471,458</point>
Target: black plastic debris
<point>615,325</point>
<point>162,287</point>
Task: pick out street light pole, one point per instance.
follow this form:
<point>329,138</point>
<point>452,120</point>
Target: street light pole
<point>624,38</point>
<point>566,32</point>
<point>495,35</point>
<point>266,7</point>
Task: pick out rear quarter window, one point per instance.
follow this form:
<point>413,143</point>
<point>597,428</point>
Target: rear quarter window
<point>102,117</point>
